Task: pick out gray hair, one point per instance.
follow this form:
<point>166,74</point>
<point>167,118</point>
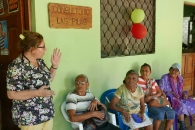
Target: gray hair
<point>132,72</point>
<point>82,75</point>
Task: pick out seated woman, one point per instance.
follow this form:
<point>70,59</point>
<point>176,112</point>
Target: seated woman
<point>172,85</point>
<point>129,98</point>
<point>80,100</point>
<point>156,113</point>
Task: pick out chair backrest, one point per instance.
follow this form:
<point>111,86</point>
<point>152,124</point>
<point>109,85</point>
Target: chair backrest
<point>105,99</point>
<point>158,81</point>
<point>63,110</point>
<point>107,96</point>
<point>75,125</point>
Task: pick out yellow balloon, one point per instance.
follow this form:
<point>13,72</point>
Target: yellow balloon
<point>137,15</point>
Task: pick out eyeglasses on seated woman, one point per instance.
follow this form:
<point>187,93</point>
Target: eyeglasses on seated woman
<point>80,101</point>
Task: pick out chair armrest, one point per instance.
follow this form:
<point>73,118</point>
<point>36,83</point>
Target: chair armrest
<point>112,118</point>
<point>76,124</point>
<point>80,125</point>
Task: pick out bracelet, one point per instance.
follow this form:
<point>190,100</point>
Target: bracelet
<point>53,67</point>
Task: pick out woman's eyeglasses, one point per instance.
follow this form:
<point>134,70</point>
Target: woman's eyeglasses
<point>82,82</point>
<point>41,46</point>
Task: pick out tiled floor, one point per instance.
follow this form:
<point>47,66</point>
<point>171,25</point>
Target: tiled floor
<point>187,122</point>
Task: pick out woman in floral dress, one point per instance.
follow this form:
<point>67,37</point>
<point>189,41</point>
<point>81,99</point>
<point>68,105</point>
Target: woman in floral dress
<point>28,84</point>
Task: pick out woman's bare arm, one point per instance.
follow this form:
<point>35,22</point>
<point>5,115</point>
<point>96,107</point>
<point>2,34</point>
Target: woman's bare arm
<point>149,97</point>
<point>113,103</point>
<point>113,106</point>
<point>82,117</point>
<point>158,93</point>
<point>142,105</point>
<point>142,108</point>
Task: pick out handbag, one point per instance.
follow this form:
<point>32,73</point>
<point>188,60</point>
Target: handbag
<point>95,123</point>
<point>158,101</point>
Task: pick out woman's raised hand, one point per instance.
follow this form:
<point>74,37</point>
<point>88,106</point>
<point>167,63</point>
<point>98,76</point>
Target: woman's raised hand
<point>56,57</point>
<point>43,92</point>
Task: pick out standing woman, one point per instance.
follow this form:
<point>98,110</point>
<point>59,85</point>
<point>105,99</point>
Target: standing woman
<point>28,84</point>
<point>158,114</point>
<point>172,85</point>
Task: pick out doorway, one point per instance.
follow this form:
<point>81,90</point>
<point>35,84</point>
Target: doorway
<point>14,16</point>
<point>188,47</point>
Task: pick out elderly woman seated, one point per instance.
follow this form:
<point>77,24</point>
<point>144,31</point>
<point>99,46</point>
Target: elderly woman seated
<point>80,101</point>
<point>172,84</point>
<point>152,91</point>
<point>129,98</point>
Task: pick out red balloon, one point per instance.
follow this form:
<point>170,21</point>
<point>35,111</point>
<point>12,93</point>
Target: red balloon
<point>138,31</point>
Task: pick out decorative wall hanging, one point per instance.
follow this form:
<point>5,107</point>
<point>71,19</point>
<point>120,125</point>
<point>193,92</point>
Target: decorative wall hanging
<point>1,7</point>
<point>127,27</point>
<point>13,6</point>
<point>3,38</point>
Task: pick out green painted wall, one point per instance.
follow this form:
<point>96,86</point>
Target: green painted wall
<point>81,50</point>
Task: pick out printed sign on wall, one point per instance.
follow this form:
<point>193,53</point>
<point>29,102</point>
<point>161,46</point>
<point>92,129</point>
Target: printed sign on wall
<point>3,38</point>
<point>69,16</point>
<point>1,7</point>
<point>13,6</point>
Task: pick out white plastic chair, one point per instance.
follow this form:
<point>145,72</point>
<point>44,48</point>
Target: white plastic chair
<point>78,125</point>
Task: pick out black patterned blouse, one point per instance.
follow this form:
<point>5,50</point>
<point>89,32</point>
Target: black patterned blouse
<point>21,75</point>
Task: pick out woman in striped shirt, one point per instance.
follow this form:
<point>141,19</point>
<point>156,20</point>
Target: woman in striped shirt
<point>80,101</point>
<point>156,113</point>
